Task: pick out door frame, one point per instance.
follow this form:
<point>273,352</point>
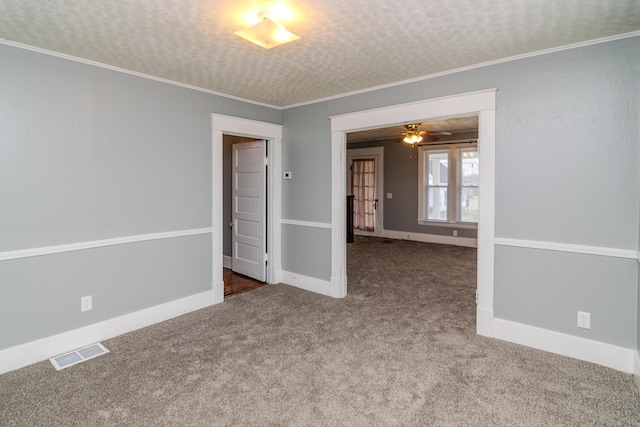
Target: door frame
<point>272,133</point>
<point>376,153</point>
<point>481,103</point>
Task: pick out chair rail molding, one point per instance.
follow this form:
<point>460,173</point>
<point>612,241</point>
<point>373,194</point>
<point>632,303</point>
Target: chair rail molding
<point>48,250</point>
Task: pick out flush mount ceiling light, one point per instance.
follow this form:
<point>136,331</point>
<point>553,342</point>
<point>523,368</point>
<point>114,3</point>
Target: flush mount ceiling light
<point>267,33</point>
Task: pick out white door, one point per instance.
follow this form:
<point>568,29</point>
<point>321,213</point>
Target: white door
<point>373,204</point>
<point>249,209</point>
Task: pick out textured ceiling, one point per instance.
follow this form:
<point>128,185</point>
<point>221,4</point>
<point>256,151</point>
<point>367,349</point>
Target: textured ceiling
<point>346,45</point>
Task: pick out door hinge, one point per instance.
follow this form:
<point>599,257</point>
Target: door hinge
<point>476,297</point>
<point>266,161</point>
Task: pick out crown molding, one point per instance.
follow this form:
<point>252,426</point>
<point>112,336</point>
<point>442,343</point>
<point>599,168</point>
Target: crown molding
<point>329,98</point>
<point>131,72</point>
<point>467,68</point>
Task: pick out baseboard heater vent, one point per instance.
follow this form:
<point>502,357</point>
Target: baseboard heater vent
<point>77,356</point>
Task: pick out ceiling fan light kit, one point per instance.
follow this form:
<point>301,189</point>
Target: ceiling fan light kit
<point>412,135</point>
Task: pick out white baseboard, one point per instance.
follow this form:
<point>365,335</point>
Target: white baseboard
<point>277,274</point>
<point>600,353</point>
<point>218,292</point>
<point>307,283</point>
<point>227,262</point>
<point>636,368</point>
<point>338,290</point>
<point>36,351</point>
<point>484,322</point>
<point>431,238</point>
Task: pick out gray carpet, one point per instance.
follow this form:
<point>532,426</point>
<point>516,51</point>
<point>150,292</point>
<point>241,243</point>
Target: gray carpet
<point>401,349</point>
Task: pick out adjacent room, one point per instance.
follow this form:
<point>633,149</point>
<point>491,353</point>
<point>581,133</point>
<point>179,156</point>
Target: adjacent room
<point>443,224</point>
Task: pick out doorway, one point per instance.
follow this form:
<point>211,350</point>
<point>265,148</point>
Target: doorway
<point>272,134</point>
<point>482,103</point>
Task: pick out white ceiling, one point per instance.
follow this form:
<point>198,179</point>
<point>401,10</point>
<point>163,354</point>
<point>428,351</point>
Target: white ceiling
<point>346,45</point>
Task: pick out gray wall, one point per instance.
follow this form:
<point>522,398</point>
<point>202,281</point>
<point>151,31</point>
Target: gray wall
<point>567,143</point>
<point>306,152</point>
<point>401,179</point>
<point>87,154</point>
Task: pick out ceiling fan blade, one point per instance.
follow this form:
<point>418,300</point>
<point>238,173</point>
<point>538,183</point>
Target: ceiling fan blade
<point>429,132</point>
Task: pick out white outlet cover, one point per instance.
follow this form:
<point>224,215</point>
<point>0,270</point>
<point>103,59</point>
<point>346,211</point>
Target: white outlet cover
<point>584,320</point>
<point>86,303</point>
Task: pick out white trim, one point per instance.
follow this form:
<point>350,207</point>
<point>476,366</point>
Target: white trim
<point>36,351</point>
<point>307,283</point>
<point>604,354</point>
<point>486,219</point>
<point>431,238</point>
<point>131,72</point>
<point>466,225</point>
<point>338,212</point>
<point>481,103</point>
<point>484,321</point>
<point>227,262</point>
<point>48,250</point>
<point>468,68</point>
<point>305,223</point>
<point>451,106</point>
<point>636,368</point>
<point>220,125</point>
<point>566,247</point>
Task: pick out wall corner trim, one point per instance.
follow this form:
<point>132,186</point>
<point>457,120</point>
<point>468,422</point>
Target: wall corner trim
<point>636,369</point>
<point>609,355</point>
<point>484,322</point>
<point>32,352</point>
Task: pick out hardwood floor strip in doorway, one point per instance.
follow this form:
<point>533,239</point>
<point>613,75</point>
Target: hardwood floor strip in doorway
<point>236,284</point>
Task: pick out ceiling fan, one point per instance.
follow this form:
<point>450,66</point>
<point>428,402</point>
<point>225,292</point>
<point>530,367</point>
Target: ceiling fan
<point>413,135</point>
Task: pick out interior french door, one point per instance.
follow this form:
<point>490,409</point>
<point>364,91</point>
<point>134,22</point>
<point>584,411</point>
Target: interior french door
<point>249,209</point>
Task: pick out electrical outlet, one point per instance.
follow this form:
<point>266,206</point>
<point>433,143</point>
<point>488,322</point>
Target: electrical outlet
<point>455,233</point>
<point>389,195</point>
<point>584,320</point>
<point>86,303</point>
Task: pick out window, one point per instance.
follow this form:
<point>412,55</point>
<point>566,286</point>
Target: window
<point>448,184</point>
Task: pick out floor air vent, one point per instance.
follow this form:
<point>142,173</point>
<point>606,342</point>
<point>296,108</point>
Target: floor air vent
<point>77,356</point>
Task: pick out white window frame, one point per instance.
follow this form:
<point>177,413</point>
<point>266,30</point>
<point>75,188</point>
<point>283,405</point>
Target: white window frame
<point>454,186</point>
